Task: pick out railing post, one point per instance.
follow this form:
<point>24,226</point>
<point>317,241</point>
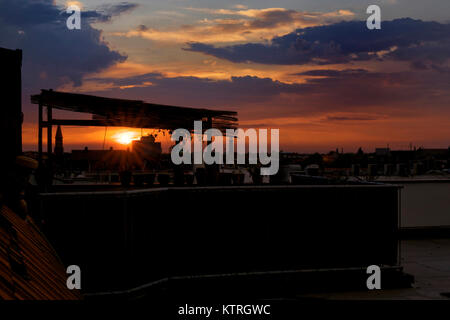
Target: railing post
<point>49,133</point>
<point>40,136</point>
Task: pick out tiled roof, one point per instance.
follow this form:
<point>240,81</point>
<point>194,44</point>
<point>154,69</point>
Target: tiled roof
<point>29,267</point>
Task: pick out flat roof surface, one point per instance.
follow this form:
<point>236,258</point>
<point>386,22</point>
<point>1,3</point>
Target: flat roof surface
<point>428,260</point>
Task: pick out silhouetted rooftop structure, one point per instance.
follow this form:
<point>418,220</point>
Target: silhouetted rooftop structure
<point>131,113</point>
<point>109,112</point>
<point>11,106</point>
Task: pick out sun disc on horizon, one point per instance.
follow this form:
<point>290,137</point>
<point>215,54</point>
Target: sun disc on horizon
<point>126,137</point>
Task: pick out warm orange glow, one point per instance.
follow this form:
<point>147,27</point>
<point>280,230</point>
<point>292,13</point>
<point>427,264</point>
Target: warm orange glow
<point>126,137</point>
<point>74,3</point>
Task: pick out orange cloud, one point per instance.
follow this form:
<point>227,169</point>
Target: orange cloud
<point>214,69</point>
<point>253,25</point>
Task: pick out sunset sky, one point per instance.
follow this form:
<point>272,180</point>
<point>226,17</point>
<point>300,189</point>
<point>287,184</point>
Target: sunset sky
<point>308,67</point>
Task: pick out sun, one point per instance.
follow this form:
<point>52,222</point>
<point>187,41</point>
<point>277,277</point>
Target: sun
<point>75,3</point>
<point>126,137</point>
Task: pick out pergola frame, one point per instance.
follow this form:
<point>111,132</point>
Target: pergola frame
<point>122,113</point>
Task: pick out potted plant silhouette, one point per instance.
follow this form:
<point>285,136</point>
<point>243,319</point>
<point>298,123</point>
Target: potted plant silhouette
<point>189,177</point>
<point>256,175</point>
<point>138,180</point>
<point>163,179</point>
<point>125,178</point>
<point>149,178</point>
<point>178,177</point>
<point>200,175</point>
<point>238,178</point>
<point>225,178</point>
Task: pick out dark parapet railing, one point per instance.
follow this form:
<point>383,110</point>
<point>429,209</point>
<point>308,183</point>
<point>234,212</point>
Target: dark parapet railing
<point>124,239</point>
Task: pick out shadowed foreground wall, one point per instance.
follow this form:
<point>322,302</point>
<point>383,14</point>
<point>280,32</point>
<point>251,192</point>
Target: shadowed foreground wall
<point>125,239</point>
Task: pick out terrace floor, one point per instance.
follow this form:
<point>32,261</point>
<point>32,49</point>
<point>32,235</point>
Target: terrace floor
<point>428,260</point>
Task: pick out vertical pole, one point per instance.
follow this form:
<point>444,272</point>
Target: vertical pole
<point>399,239</point>
<point>211,170</point>
<point>209,123</point>
<point>209,126</point>
<point>40,135</point>
<point>19,102</point>
<point>49,132</point>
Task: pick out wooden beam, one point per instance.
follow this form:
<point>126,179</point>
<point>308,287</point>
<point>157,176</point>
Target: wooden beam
<point>49,131</point>
<point>83,123</point>
<point>131,113</point>
<point>102,123</point>
<point>40,123</point>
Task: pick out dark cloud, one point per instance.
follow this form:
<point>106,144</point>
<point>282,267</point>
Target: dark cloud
<point>331,73</point>
<point>142,27</point>
<point>325,91</point>
<point>106,12</point>
<point>424,56</point>
<point>28,13</point>
<point>201,92</point>
<point>343,42</point>
<point>334,118</point>
<point>53,54</point>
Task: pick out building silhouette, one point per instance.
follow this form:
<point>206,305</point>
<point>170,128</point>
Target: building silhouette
<point>59,144</point>
<point>11,111</point>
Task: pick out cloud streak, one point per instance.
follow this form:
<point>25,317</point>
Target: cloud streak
<point>240,25</point>
<point>348,107</point>
<point>350,91</point>
<point>106,13</point>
